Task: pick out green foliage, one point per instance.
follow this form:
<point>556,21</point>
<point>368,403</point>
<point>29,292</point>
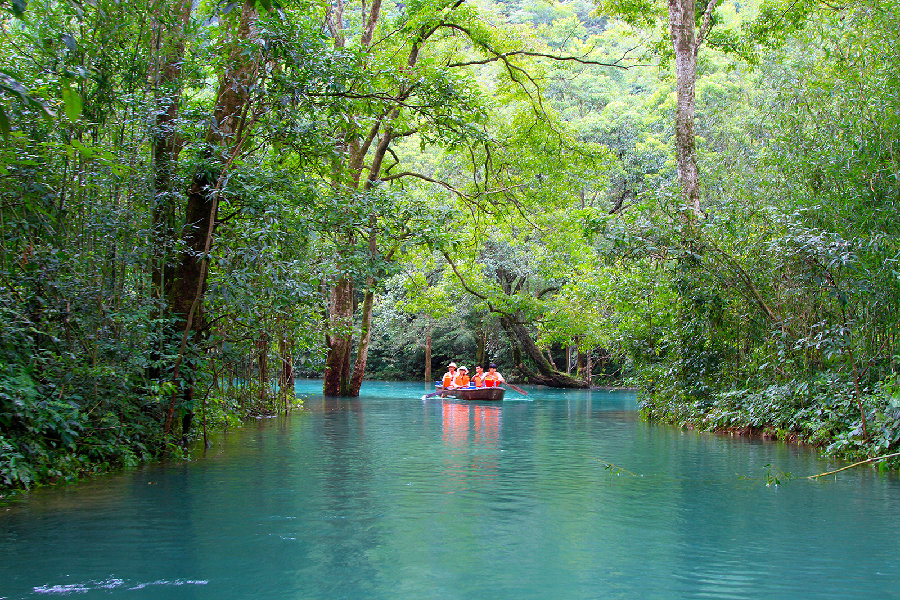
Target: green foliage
<point>550,185</point>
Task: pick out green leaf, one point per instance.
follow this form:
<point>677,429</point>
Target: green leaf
<point>72,101</point>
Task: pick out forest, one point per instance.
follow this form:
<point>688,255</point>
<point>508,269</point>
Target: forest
<point>201,201</point>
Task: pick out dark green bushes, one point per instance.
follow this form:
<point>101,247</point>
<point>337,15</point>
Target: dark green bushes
<point>822,412</point>
<point>60,419</point>
<point>52,432</point>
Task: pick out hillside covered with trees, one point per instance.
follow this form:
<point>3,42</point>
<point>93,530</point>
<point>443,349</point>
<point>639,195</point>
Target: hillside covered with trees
<point>201,201</point>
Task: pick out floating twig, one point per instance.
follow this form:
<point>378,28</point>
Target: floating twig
<point>617,469</point>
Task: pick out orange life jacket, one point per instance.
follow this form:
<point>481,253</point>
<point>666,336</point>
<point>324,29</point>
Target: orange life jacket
<point>492,380</point>
<point>478,380</point>
<point>448,379</point>
<point>462,380</point>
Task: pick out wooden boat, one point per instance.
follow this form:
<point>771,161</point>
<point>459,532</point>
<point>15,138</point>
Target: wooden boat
<point>474,393</point>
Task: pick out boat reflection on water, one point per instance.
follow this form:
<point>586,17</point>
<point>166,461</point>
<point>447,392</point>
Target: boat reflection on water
<point>466,423</point>
<point>487,425</point>
<point>471,434</point>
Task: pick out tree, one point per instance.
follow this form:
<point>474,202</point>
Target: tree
<point>231,124</point>
<point>426,95</point>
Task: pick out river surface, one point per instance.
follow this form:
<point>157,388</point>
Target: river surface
<point>561,495</point>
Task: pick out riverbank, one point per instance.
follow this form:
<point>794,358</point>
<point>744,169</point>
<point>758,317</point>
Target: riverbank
<point>824,417</point>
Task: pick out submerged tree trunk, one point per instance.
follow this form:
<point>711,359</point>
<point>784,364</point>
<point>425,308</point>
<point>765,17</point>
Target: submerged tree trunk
<point>361,151</point>
<point>546,374</point>
<point>336,381</point>
<point>262,369</point>
<point>286,373</point>
<point>365,336</point>
<point>365,333</point>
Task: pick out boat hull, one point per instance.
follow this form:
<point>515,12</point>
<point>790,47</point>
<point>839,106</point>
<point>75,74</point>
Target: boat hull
<point>491,394</point>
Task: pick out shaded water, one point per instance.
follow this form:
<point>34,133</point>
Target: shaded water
<point>392,496</point>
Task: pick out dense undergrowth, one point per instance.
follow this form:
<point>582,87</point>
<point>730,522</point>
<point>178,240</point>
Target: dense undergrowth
<point>822,412</point>
<point>100,420</point>
<point>62,419</point>
<point>91,422</point>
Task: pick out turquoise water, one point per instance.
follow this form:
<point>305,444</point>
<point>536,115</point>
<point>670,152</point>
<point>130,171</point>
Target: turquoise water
<point>393,497</point>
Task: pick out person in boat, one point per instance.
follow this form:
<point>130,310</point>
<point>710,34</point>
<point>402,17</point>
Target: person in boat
<point>449,380</point>
<point>462,379</point>
<point>493,378</point>
<point>478,377</point>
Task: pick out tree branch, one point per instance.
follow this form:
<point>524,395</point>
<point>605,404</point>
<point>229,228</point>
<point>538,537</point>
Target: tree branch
<point>505,55</point>
<point>444,184</point>
<point>856,464</point>
<point>366,39</point>
<point>707,22</point>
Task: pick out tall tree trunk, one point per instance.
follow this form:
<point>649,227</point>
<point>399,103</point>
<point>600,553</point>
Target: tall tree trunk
<point>338,339</point>
<point>365,333</point>
<point>681,28</point>
<point>167,47</point>
<point>185,301</point>
<point>686,41</point>
<point>168,43</point>
<point>229,127</point>
<point>347,178</point>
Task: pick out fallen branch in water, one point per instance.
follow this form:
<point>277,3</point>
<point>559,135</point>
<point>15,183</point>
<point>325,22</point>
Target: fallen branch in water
<point>862,462</point>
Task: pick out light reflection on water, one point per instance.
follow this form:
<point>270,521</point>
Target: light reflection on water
<point>563,494</point>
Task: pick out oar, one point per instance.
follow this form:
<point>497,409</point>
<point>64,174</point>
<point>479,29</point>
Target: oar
<point>440,391</point>
<point>517,388</point>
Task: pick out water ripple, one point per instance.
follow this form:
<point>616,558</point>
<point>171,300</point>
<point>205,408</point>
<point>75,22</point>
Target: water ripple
<point>111,584</point>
